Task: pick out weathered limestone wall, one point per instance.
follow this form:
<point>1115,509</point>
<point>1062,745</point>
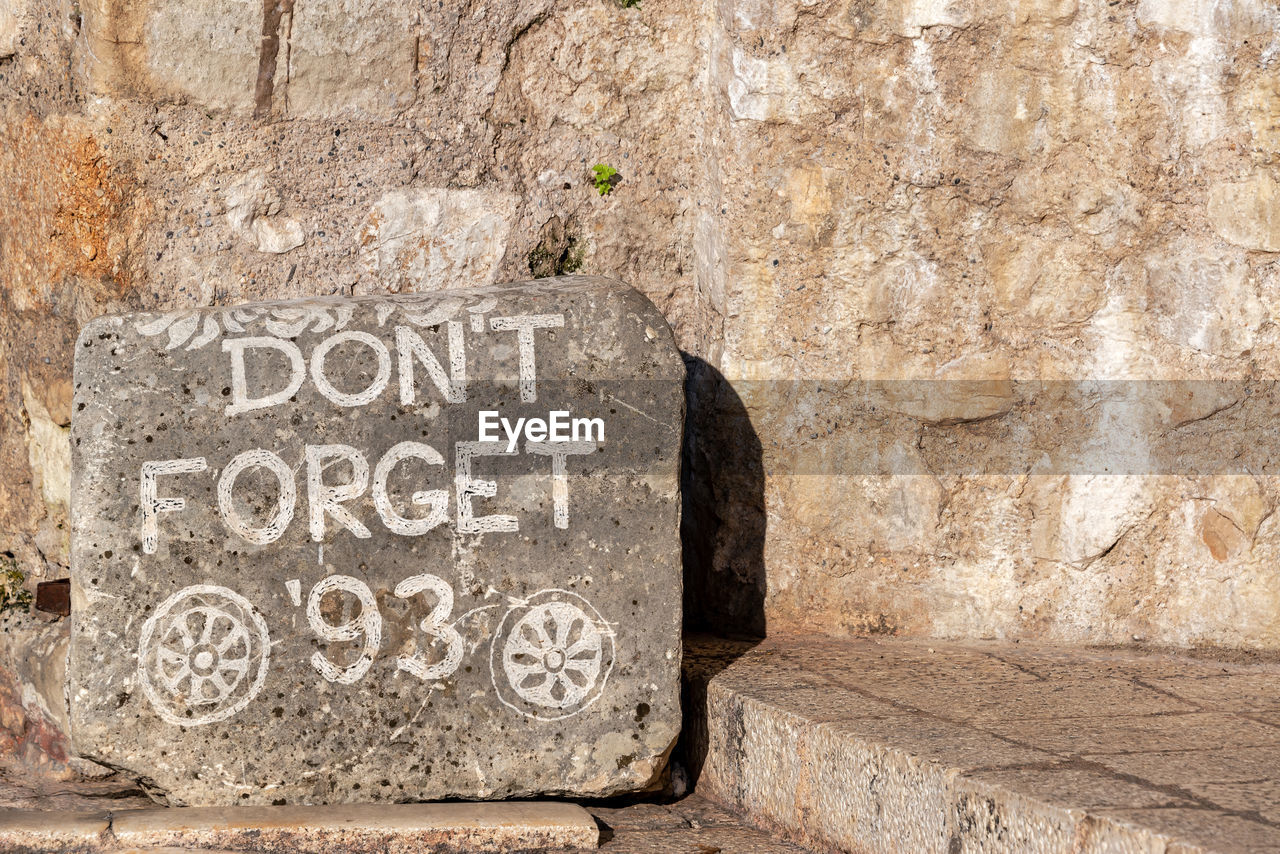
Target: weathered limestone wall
<point>815,194</point>
<point>1001,192</point>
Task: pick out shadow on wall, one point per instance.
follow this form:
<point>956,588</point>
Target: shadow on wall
<point>723,524</point>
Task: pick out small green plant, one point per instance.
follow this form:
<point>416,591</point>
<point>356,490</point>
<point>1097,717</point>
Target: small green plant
<point>628,4</point>
<point>604,178</point>
<point>13,596</point>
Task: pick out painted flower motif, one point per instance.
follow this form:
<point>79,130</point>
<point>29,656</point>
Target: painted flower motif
<point>195,329</point>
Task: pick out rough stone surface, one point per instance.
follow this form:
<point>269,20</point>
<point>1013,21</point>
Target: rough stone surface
<point>826,191</point>
<point>890,745</point>
<point>392,828</point>
<point>690,825</point>
<point>298,576</point>
<point>52,830</point>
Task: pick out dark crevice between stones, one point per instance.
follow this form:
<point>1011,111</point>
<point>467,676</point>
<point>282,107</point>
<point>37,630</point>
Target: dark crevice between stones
<point>559,251</point>
<point>273,12</point>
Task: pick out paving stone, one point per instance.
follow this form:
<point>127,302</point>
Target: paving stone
<point>1260,796</point>
<point>1128,733</point>
<point>691,812</point>
<point>1077,663</point>
<point>390,828</point>
<point>298,576</point>
<point>1076,788</point>
<point>1079,698</point>
<point>1229,765</point>
<point>1234,692</point>
<point>985,768</point>
<point>956,744</point>
<point>52,830</point>
<point>1198,830</point>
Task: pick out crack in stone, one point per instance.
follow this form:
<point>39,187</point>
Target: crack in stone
<point>273,12</point>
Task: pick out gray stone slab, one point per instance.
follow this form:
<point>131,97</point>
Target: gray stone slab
<point>299,577</point>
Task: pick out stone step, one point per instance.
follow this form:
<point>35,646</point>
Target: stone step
<point>656,825</point>
<point>384,828</point>
<point>886,745</point>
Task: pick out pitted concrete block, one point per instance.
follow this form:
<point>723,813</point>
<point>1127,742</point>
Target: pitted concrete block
<point>380,549</point>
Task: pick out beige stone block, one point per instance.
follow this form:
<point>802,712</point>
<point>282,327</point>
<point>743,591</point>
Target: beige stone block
<point>1044,280</point>
<point>1003,109</point>
<point>1073,788</point>
<point>992,820</point>
<point>1236,506</point>
<point>351,57</point>
<point>1262,796</point>
<point>48,451</point>
<point>9,12</point>
<point>892,511</point>
<point>864,796</point>
<point>768,89</point>
<point>970,388</point>
<point>53,830</point>
<point>1204,298</point>
<point>1258,103</point>
<point>334,58</point>
<point>391,828</point>
<point>926,780</point>
<point>1257,691</point>
<point>435,238</point>
<point>1247,213</point>
<point>1234,20</point>
<point>1079,518</point>
<point>203,51</point>
<point>926,738</point>
<point>1179,767</point>
<point>919,15</point>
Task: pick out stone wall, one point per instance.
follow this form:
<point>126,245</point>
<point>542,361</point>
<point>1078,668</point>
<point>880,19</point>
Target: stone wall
<point>878,228</point>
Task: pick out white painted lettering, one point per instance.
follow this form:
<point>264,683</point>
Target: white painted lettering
<point>524,324</point>
<point>513,434</point>
<point>535,430</point>
<point>368,625</point>
<point>559,422</point>
<point>409,344</point>
<point>468,488</point>
<point>323,498</point>
<point>286,500</point>
<point>240,400</point>
<point>592,429</point>
<point>152,506</point>
<point>327,388</point>
<point>559,453</point>
<point>438,499</point>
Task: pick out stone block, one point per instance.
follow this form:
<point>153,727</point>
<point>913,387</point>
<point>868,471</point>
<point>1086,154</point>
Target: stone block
<point>433,238</point>
<point>9,29</point>
<point>299,575</point>
<point>52,830</point>
<point>387,828</point>
<point>927,779</point>
<point>311,60</point>
<point>1247,213</point>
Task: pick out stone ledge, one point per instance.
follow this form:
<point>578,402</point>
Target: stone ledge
<point>53,830</point>
<point>384,828</point>
<point>870,746</point>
